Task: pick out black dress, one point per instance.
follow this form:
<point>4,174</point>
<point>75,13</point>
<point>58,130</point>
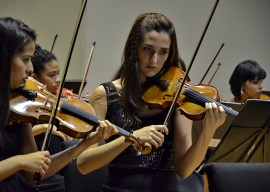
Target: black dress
<point>10,142</point>
<point>10,145</point>
<point>130,172</point>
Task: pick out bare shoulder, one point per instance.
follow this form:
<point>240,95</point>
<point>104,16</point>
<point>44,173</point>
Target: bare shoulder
<point>98,101</point>
<point>97,93</point>
<point>117,84</point>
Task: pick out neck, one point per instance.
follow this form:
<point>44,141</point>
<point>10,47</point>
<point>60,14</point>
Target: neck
<point>244,98</point>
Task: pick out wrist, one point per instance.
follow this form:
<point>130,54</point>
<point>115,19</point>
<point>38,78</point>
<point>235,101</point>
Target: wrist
<point>18,162</point>
<point>71,153</point>
<point>128,139</point>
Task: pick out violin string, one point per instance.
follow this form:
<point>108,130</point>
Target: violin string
<point>227,109</point>
<point>202,98</point>
<point>84,115</point>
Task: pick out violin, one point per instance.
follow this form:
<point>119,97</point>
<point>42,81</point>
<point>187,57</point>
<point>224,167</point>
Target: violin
<point>69,93</point>
<point>34,102</point>
<point>192,99</point>
<point>264,96</point>
<point>74,117</point>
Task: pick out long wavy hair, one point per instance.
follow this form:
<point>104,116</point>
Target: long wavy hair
<point>128,72</point>
<point>247,70</point>
<point>14,36</point>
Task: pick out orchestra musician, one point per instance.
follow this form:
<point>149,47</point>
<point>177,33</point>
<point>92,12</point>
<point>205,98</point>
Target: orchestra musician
<point>19,158</point>
<point>46,71</point>
<point>246,81</point>
<point>151,47</point>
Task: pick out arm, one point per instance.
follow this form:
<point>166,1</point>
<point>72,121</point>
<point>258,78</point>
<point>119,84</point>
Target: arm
<point>42,128</point>
<point>61,159</point>
<point>100,155</point>
<point>31,163</point>
<point>188,156</point>
<point>96,157</point>
<point>47,165</point>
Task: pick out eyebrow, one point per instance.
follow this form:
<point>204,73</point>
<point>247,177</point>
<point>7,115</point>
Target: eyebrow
<point>163,48</point>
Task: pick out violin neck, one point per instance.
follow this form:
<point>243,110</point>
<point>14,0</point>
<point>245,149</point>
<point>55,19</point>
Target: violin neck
<point>88,117</point>
<point>202,99</point>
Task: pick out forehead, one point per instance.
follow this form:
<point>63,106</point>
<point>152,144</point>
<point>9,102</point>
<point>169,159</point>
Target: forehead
<point>28,49</point>
<point>155,38</point>
<point>52,66</point>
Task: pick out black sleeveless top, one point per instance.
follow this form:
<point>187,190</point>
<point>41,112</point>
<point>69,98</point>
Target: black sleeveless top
<point>10,145</point>
<point>158,159</point>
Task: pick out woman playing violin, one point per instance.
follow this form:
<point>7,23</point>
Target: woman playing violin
<point>151,47</point>
<point>46,71</point>
<point>19,159</point>
<point>246,81</point>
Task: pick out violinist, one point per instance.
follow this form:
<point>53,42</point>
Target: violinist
<point>19,158</point>
<point>46,71</point>
<point>151,47</point>
<point>246,81</point>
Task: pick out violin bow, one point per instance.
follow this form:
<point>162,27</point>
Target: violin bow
<point>189,67</point>
<point>56,103</point>
<point>211,63</point>
<point>218,65</point>
<point>86,70</point>
<point>54,40</point>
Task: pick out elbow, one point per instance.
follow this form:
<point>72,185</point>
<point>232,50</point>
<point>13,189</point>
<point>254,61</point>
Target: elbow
<point>183,172</point>
<point>184,175</point>
<point>82,167</point>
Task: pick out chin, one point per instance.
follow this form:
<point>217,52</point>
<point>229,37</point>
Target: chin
<point>19,86</point>
<point>149,75</point>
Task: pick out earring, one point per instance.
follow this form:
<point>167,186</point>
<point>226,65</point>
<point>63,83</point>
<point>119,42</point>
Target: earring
<point>242,92</point>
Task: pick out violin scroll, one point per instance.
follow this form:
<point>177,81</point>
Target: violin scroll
<point>144,148</point>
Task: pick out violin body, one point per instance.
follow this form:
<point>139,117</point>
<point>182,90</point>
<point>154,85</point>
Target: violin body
<point>26,110</point>
<point>190,102</point>
<point>264,97</point>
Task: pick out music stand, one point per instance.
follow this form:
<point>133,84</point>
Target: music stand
<point>220,132</point>
<point>74,85</point>
<point>248,139</point>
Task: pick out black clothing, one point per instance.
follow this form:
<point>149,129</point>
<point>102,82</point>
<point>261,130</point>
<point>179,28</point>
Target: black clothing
<point>10,145</point>
<point>132,172</point>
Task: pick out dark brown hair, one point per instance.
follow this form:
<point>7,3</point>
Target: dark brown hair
<point>15,35</point>
<point>129,69</point>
